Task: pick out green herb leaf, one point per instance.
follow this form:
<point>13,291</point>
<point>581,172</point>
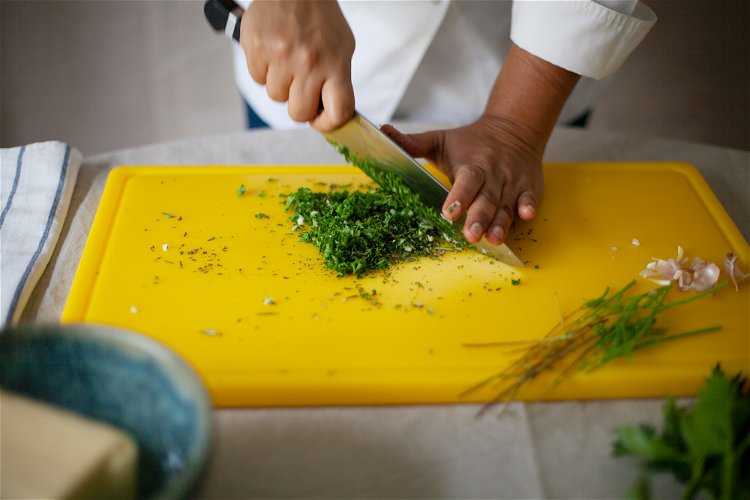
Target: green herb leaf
<point>241,190</point>
<point>706,446</point>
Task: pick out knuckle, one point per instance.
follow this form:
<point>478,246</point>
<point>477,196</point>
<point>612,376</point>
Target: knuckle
<point>280,47</point>
<point>492,193</point>
<point>482,212</point>
<point>256,42</point>
<point>484,153</point>
<point>473,173</point>
<point>306,59</point>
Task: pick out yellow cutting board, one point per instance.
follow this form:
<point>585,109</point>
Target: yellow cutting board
<point>182,255</point>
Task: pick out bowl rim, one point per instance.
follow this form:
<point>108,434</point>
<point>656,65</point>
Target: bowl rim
<point>168,360</point>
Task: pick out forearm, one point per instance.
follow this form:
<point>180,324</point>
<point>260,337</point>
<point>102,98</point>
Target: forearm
<point>529,94</point>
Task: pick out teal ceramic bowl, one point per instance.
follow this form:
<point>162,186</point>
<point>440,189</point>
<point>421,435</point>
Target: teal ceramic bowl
<point>125,379</point>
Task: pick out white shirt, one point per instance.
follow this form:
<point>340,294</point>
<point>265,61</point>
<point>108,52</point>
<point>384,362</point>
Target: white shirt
<point>437,60</point>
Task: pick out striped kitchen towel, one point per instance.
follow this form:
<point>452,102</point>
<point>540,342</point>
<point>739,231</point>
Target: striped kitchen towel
<point>36,184</point>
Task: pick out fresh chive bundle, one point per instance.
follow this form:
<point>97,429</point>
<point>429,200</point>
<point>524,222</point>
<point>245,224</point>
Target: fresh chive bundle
<point>601,330</point>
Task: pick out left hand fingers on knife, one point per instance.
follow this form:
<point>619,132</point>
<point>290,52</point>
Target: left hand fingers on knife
<point>469,180</point>
<point>481,217</point>
<point>510,203</point>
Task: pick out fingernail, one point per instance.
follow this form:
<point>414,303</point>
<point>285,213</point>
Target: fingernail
<point>497,232</point>
<point>476,229</point>
<point>453,208</point>
<point>527,212</point>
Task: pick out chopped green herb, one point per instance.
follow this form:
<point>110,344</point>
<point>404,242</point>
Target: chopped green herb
<point>360,231</point>
<point>536,266</point>
<point>260,215</point>
<point>241,190</point>
<point>212,238</point>
<point>706,446</point>
<point>167,215</point>
<point>515,282</point>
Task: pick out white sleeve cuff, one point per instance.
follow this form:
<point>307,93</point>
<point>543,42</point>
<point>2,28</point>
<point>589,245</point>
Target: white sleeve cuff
<point>581,36</point>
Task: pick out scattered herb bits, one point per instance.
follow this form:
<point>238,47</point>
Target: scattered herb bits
<point>372,228</point>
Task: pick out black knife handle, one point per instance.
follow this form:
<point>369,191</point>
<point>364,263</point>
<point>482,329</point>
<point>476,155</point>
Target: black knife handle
<point>224,15</point>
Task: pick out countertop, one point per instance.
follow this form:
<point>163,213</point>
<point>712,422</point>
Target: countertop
<point>531,450</point>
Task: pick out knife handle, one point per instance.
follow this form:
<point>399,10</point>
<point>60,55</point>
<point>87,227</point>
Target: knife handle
<point>224,15</point>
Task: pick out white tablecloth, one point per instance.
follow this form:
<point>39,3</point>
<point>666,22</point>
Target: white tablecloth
<point>534,450</point>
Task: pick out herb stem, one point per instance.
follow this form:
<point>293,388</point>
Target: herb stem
<point>608,327</point>
<point>695,481</point>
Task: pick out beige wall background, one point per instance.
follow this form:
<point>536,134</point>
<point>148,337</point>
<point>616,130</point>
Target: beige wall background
<point>106,75</point>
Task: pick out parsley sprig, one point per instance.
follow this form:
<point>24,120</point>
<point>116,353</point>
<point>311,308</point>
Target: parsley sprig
<point>706,446</point>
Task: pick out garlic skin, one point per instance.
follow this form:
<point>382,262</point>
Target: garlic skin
<point>699,276</point>
<point>734,272</point>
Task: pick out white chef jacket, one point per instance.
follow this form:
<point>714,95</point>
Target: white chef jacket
<point>437,60</point>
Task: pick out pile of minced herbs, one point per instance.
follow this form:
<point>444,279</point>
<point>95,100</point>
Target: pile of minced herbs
<point>364,230</point>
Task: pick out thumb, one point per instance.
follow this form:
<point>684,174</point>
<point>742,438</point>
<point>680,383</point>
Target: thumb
<point>423,145</point>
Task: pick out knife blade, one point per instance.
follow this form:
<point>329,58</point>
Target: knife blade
<point>365,140</point>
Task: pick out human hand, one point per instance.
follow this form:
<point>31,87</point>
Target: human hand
<point>495,163</point>
<point>301,50</point>
<point>495,170</point>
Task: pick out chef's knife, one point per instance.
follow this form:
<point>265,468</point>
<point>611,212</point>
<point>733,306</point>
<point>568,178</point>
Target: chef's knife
<point>366,141</point>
